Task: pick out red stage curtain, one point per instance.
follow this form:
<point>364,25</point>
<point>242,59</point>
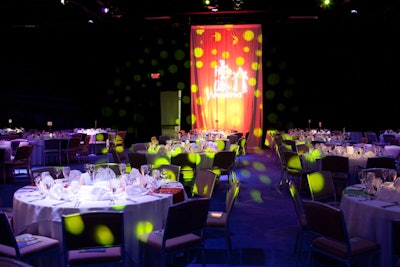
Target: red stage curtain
<point>226,79</point>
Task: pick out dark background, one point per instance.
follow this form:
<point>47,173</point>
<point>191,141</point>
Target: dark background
<point>326,65</point>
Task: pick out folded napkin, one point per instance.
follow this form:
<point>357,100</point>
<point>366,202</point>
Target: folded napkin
<point>136,190</point>
<point>99,193</point>
<point>369,154</point>
<point>74,174</point>
<point>388,195</point>
<point>104,174</point>
<point>86,179</point>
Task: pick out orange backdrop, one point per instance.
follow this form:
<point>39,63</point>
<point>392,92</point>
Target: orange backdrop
<point>226,79</point>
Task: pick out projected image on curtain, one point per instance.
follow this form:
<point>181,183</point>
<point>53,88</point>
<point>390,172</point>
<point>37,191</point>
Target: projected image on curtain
<point>226,79</point>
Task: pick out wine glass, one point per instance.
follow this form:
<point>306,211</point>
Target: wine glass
<point>66,171</point>
<point>39,185</point>
<point>75,185</point>
<point>113,187</point>
<point>144,169</point>
<point>47,180</point>
<point>57,172</point>
<point>122,168</point>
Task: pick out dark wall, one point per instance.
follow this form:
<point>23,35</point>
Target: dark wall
<point>336,73</point>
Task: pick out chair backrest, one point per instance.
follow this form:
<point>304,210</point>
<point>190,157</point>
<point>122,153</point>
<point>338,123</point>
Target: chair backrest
<point>120,138</point>
<point>395,241</point>
<point>101,137</point>
<point>335,163</point>
<point>97,229</point>
<point>297,203</point>
<point>381,162</point>
<point>52,144</point>
<point>188,163</point>
<point>137,159</point>
<point>224,159</point>
<point>162,139</point>
<point>290,144</point>
<point>23,153</point>
<point>232,138</point>
<point>139,147</point>
<point>387,138</point>
<point>371,137</point>
<point>115,155</point>
<point>113,166</point>
<point>51,169</point>
<point>326,220</point>
<point>7,237</point>
<point>204,183</point>
<point>74,143</point>
<point>293,161</point>
<point>321,186</point>
<point>186,217</point>
<point>242,145</point>
<point>173,172</point>
<point>232,196</point>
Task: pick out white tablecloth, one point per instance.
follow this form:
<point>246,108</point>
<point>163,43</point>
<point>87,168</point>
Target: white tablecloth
<point>143,214</point>
<point>368,219</point>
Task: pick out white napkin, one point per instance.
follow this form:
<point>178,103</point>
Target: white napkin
<point>86,179</point>
<point>136,190</point>
<point>388,195</point>
<point>369,154</point>
<point>74,173</point>
<point>99,193</point>
<point>134,173</point>
<point>104,174</point>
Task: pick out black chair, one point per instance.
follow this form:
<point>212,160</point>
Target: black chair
<point>51,151</point>
<point>93,239</point>
<point>137,159</point>
<point>301,219</point>
<point>339,168</point>
<point>188,163</point>
<point>395,242</point>
<point>220,219</point>
<point>26,247</point>
<point>224,163</point>
<point>183,232</point>
<point>381,162</point>
<point>332,238</point>
<point>21,160</point>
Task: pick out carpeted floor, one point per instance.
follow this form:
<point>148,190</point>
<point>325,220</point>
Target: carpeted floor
<point>263,220</point>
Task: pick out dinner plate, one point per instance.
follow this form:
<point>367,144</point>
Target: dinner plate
<point>135,191</point>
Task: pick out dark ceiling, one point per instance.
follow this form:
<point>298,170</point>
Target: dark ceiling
<point>77,13</point>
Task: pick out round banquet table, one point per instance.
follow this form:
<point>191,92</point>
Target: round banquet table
<point>143,213</point>
<point>369,219</point>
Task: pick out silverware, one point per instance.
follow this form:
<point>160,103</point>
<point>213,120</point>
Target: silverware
<point>36,199</point>
<point>62,202</point>
<point>396,203</point>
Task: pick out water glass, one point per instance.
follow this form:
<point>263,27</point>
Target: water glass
<point>66,172</point>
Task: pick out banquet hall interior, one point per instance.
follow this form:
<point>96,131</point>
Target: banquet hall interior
<point>314,67</point>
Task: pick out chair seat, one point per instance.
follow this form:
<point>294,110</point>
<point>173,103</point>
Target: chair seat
<point>45,243</point>
<point>358,246</point>
<point>217,221</point>
<point>155,239</point>
<point>78,257</point>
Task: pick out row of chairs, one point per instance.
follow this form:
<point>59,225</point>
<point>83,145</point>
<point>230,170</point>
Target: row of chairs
<point>97,238</point>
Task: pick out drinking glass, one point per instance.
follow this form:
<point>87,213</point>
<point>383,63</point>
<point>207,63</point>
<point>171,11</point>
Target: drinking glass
<point>66,172</point>
<point>75,185</point>
<point>144,169</point>
<point>122,168</point>
<point>57,172</point>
